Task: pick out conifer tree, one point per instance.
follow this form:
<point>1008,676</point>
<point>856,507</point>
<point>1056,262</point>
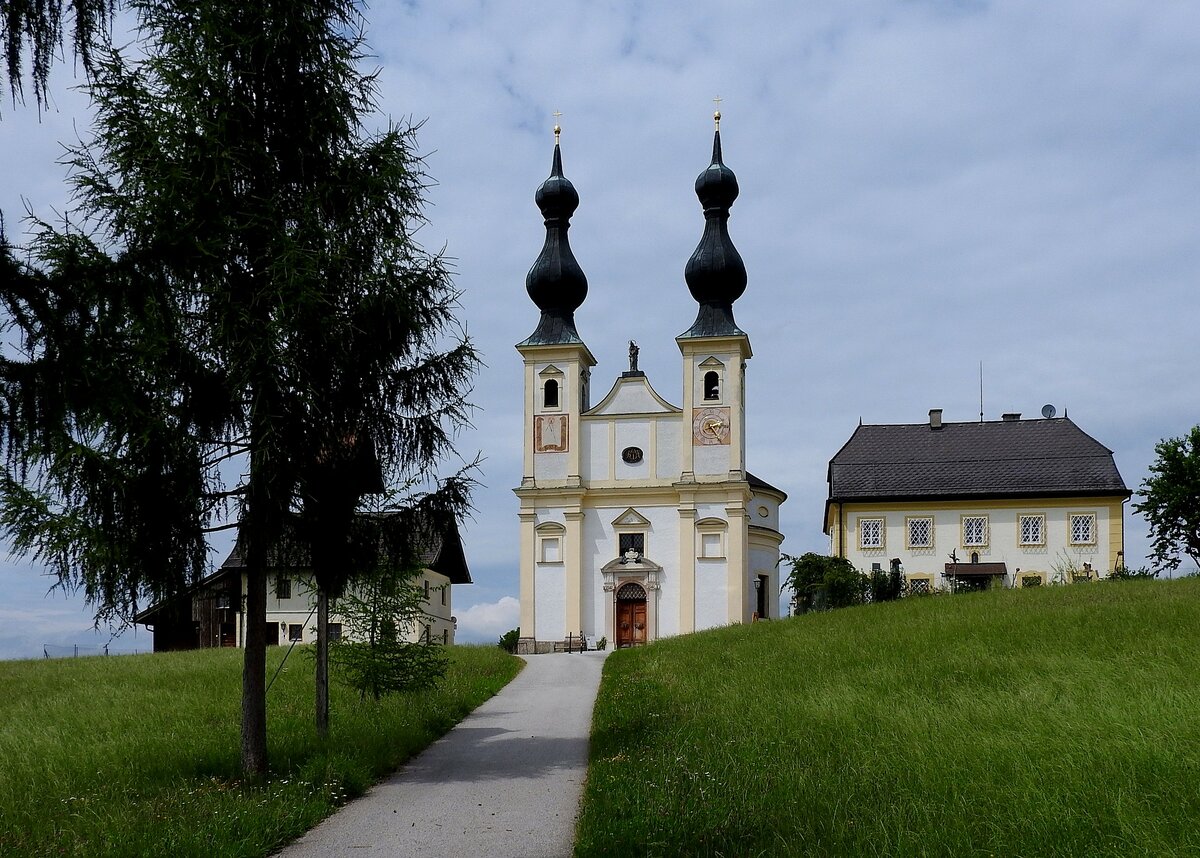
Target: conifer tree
<point>245,288</point>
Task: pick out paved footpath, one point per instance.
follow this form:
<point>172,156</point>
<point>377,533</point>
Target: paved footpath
<point>507,781</point>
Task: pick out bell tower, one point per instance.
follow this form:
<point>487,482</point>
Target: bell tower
<point>557,374</point>
<point>715,351</point>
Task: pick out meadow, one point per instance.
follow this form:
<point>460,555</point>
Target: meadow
<point>1052,721</point>
<point>138,755</point>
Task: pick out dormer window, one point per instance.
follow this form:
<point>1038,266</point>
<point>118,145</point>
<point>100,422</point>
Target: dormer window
<point>550,394</point>
<point>712,386</point>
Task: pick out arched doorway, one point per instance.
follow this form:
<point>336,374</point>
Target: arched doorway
<point>631,615</point>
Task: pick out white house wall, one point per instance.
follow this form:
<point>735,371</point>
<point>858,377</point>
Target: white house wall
<point>1056,555</point>
<point>712,596</point>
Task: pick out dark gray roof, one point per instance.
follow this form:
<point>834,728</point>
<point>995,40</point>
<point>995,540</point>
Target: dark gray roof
<point>757,483</point>
<point>440,551</point>
<point>1006,458</point>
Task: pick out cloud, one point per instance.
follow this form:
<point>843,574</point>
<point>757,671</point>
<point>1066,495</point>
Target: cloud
<point>485,622</point>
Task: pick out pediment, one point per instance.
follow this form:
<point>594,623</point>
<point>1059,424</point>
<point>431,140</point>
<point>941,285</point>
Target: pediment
<point>711,363</point>
<point>631,518</point>
<point>550,527</point>
<point>551,370</point>
<point>711,523</point>
<point>641,565</point>
<point>632,395</point>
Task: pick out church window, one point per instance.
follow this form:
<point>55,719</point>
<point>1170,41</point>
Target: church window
<point>551,549</point>
<point>710,545</point>
<point>975,531</point>
<point>550,394</point>
<point>283,588</point>
<point>919,531</point>
<point>1033,529</point>
<point>1083,528</point>
<point>631,542</point>
<point>870,533</point>
<point>712,386</point>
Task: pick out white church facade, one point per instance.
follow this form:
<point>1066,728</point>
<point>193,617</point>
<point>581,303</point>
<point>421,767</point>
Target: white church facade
<point>638,518</point>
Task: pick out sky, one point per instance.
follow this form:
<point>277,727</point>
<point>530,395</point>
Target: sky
<point>925,187</point>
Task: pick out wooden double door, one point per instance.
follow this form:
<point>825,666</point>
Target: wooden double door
<point>631,616</point>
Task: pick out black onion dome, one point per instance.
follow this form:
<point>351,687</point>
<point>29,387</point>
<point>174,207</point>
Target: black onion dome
<point>715,275</point>
<point>556,283</point>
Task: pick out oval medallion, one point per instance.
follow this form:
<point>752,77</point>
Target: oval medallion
<point>631,455</point>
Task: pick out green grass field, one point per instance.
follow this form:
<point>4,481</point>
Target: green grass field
<point>138,755</point>
<point>1043,722</point>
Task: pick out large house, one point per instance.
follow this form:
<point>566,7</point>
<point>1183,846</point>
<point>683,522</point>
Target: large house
<point>1023,502</point>
<point>212,613</point>
<point>638,518</point>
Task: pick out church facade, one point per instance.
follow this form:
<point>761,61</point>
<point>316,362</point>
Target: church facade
<point>638,518</point>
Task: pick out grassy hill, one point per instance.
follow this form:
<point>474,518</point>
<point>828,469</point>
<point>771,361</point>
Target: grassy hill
<point>1050,721</point>
<point>138,755</point>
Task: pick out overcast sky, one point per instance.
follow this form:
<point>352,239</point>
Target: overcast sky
<point>924,186</point>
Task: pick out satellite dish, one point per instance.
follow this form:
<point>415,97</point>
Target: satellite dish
<point>1048,411</point>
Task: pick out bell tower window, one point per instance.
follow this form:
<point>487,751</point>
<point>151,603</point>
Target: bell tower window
<point>550,394</point>
<point>712,386</point>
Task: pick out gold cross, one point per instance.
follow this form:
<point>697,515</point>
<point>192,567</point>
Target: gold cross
<point>557,129</point>
<point>717,112</point>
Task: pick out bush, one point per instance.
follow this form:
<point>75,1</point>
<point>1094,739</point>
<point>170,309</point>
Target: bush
<point>1124,573</point>
<point>508,640</point>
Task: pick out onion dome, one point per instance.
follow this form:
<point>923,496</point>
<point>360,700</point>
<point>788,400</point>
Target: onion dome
<point>716,275</point>
<point>556,283</point>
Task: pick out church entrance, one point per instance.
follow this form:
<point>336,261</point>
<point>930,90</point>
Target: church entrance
<point>631,615</point>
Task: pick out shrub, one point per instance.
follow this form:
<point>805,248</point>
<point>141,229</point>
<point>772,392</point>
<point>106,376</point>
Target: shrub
<point>508,640</point>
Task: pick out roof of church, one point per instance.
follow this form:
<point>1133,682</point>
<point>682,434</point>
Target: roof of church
<point>1004,458</point>
<point>757,483</point>
<point>556,283</point>
<point>715,273</point>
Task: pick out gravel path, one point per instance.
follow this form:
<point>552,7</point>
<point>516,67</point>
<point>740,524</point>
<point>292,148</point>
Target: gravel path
<point>507,781</point>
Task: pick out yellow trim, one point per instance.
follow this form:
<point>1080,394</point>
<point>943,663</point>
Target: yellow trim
<point>882,546</point>
<point>962,530</point>
<point>908,531</point>
<point>1029,573</point>
<point>1020,542</point>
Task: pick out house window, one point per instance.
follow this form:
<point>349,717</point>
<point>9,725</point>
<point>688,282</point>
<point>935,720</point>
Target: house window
<point>920,585</point>
<point>975,531</point>
<point>445,636</point>
<point>710,545</point>
<point>427,634</point>
<point>445,588</point>
<point>1031,579</point>
<point>551,549</point>
<point>712,386</point>
<point>920,532</point>
<point>283,588</point>
<point>631,542</point>
<point>1083,528</point>
<point>334,631</point>
<point>550,394</point>
<point>425,588</point>
<point>295,632</point>
<point>1032,529</point>
<point>870,533</point>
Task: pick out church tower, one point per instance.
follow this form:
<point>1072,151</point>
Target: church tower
<point>638,518</point>
<point>557,373</point>
<point>715,351</point>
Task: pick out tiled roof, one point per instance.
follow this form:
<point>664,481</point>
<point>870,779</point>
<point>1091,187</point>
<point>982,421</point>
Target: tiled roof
<point>759,483</point>
<point>1006,458</point>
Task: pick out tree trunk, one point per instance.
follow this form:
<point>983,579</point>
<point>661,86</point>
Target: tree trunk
<point>322,663</point>
<point>254,676</point>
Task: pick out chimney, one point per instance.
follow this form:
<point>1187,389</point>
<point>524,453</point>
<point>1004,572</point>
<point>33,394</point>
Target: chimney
<point>935,418</point>
<point>1011,417</point>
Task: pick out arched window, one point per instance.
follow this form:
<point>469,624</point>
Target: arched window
<point>550,398</point>
<point>712,385</point>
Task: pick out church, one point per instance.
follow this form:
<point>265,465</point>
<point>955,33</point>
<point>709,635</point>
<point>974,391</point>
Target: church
<point>638,518</point>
